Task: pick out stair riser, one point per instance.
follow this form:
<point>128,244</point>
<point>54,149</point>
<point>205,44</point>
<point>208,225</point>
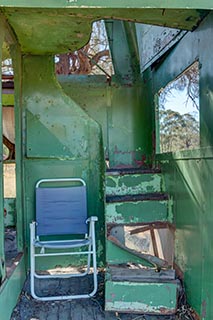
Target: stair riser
<point>148,298</point>
<point>138,212</point>
<point>134,184</point>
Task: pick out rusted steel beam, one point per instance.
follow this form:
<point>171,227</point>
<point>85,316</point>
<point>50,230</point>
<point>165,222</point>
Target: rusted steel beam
<point>155,225</point>
<point>142,227</point>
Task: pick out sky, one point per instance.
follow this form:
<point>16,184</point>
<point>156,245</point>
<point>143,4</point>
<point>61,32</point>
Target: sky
<point>176,101</point>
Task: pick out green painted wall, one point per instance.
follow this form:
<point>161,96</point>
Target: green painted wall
<point>11,288</point>
<point>189,179</point>
<point>205,4</point>
<point>56,138</point>
<point>123,112</point>
<point>189,174</point>
<point>60,140</point>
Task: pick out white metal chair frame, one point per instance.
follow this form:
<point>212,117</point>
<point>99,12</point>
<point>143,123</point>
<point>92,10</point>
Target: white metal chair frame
<point>89,241</point>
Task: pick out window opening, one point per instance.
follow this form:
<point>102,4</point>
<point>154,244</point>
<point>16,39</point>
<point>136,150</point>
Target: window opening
<point>93,59</point>
<point>178,112</point>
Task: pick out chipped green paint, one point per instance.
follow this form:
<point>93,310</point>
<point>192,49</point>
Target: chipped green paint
<point>71,27</point>
<point>111,105</point>
<point>10,206</point>
<point>149,298</point>
<point>62,141</point>
<point>170,209</point>
<point>139,211</point>
<point>188,174</point>
<point>133,184</point>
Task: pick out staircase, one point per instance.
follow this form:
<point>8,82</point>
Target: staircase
<point>139,244</point>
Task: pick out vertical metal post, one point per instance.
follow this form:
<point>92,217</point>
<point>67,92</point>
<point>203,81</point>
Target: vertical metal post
<point>2,253</point>
<point>157,123</point>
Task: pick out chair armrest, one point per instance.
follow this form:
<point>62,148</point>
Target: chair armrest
<point>92,218</point>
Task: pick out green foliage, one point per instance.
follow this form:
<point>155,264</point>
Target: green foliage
<point>178,132</point>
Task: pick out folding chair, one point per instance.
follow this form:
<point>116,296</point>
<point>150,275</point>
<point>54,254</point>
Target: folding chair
<point>61,209</point>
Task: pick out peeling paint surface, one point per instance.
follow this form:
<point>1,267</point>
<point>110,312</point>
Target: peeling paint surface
<point>150,298</point>
<point>59,144</point>
<point>133,184</point>
<point>140,211</point>
<point>71,27</point>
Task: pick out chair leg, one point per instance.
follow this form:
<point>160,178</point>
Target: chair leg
<point>32,260</point>
<point>95,280</point>
<point>88,259</point>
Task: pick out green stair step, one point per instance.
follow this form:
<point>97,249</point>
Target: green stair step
<point>141,291</point>
<point>138,208</point>
<point>127,170</point>
<point>143,297</point>
<point>135,183</point>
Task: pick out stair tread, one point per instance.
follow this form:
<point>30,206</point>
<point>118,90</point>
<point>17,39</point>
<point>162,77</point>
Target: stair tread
<point>124,171</point>
<point>138,274</point>
<point>157,196</point>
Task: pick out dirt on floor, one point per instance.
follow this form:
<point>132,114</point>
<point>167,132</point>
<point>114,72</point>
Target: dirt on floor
<point>79,309</point>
